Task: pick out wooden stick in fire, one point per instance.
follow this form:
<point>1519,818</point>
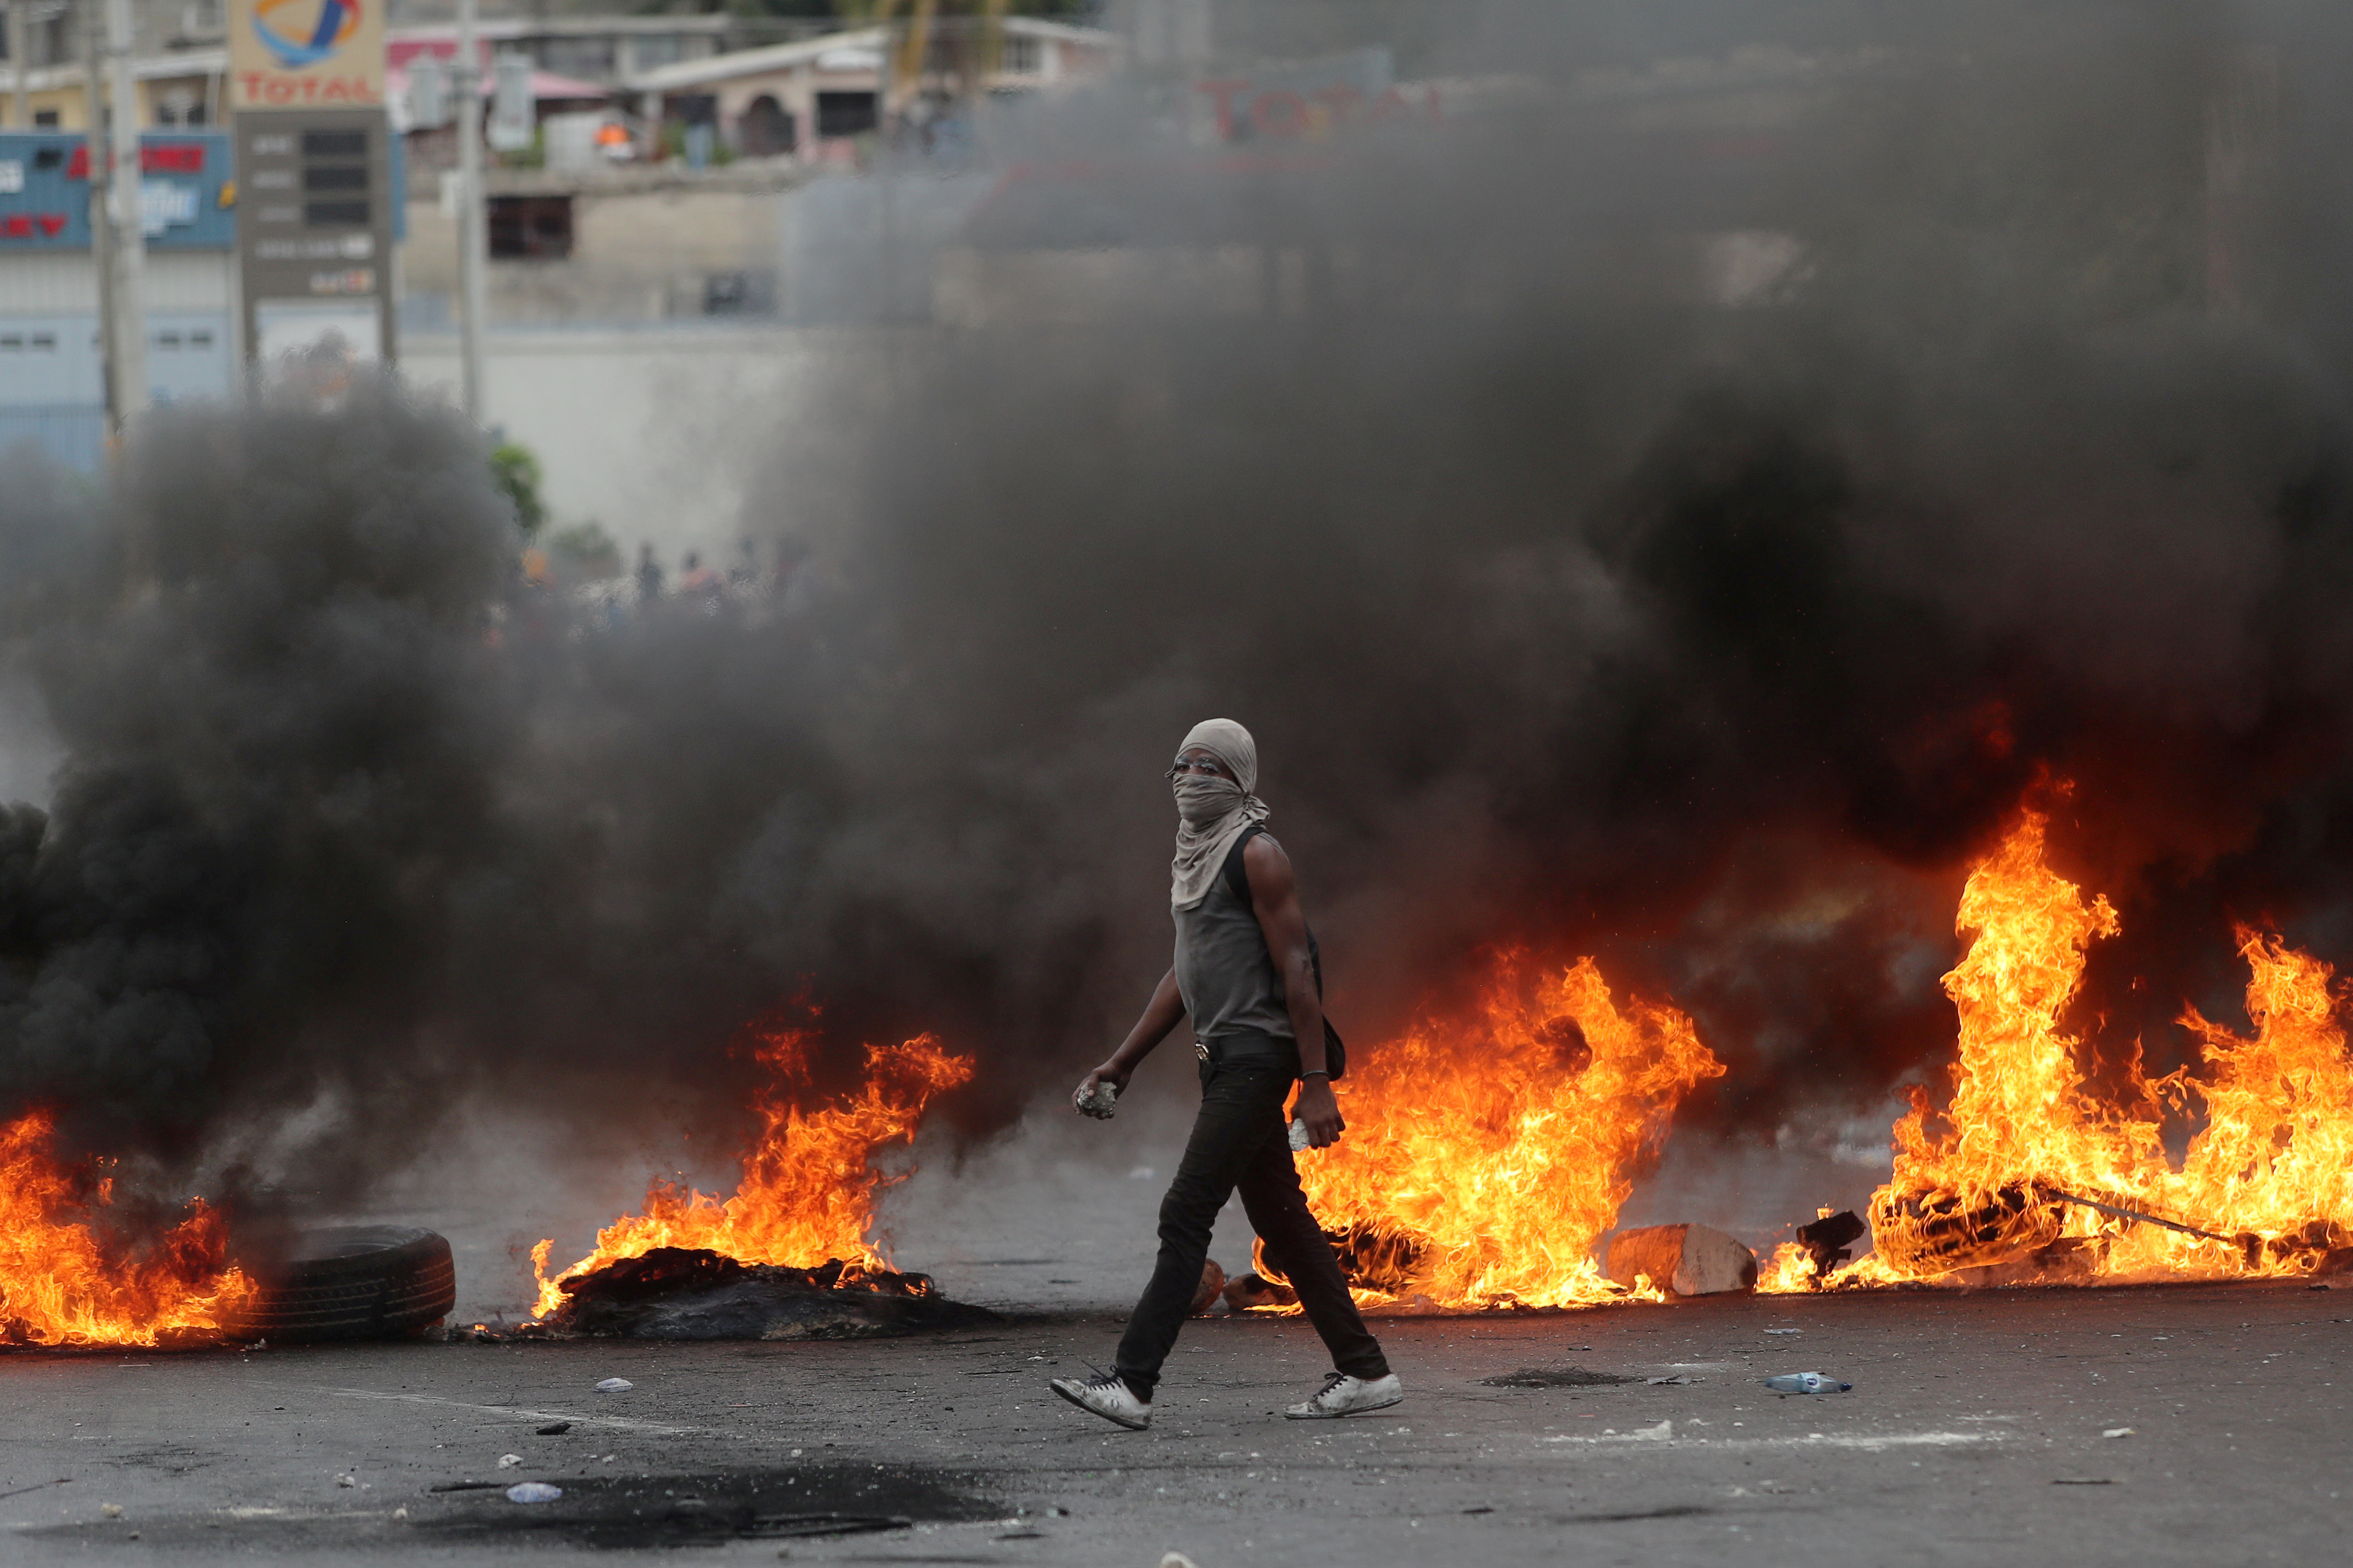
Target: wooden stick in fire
<point>2123,1212</point>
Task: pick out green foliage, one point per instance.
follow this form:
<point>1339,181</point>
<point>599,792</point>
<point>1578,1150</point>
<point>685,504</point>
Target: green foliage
<point>531,157</point>
<point>514,469</point>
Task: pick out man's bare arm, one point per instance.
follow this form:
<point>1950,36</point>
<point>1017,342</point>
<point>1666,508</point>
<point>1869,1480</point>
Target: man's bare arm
<point>1162,1013</point>
<point>1274,897</point>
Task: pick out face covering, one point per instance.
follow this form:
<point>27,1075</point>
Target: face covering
<point>1203,798</point>
<point>1212,812</point>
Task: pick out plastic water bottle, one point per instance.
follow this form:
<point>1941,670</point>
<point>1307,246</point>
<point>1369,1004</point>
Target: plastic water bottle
<point>1806,1382</point>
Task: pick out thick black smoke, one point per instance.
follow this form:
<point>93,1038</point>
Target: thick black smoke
<point>1578,602</point>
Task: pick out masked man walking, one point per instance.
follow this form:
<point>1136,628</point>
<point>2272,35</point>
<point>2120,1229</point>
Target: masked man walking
<point>1245,976</point>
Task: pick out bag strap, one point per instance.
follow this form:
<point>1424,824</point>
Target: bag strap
<point>1236,874</point>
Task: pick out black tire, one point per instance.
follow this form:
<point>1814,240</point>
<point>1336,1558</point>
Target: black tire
<point>359,1282</point>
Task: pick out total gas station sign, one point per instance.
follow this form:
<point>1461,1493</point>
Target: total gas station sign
<point>306,54</point>
<point>318,183</point>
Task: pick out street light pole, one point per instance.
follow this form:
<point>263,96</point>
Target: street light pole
<point>101,198</point>
<point>20,63</point>
<point>466,76</point>
<point>126,383</point>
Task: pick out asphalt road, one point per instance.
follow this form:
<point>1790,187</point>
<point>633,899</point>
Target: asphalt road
<point>1974,1435</point>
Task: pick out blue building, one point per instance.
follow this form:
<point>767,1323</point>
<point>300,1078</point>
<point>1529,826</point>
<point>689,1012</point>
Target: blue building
<point>52,376</point>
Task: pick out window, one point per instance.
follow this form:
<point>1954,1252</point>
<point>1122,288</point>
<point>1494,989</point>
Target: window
<point>44,116</point>
<point>845,113</point>
<point>48,39</point>
<point>590,58</point>
<point>531,228</point>
<point>659,49</point>
<point>1018,55</point>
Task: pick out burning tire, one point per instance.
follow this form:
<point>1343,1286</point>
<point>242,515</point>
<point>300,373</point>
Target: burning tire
<point>359,1282</point>
<point>1371,1257</point>
<point>1930,1233</point>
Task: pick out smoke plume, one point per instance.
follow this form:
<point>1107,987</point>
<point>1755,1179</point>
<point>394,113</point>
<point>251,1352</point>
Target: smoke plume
<point>1675,502</point>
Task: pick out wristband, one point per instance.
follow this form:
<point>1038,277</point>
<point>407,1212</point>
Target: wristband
<point>1316,1072</point>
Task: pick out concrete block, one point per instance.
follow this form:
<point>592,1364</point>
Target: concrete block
<point>1684,1259</point>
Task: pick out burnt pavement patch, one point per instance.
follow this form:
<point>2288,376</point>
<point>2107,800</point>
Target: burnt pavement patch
<point>812,1501</point>
<point>1555,1377</point>
<point>838,1498</point>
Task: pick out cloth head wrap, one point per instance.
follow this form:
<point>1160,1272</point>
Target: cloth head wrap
<point>1211,813</point>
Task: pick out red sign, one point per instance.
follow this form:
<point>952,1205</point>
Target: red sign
<point>20,226</point>
<point>266,90</point>
<point>158,158</point>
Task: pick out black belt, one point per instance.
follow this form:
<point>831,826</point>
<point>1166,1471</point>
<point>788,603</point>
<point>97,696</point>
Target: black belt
<point>1236,1050</point>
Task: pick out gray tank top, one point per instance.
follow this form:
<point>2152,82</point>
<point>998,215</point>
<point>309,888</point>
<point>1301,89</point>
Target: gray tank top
<point>1224,972</point>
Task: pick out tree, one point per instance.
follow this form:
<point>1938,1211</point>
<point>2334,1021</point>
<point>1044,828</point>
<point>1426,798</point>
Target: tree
<point>514,469</point>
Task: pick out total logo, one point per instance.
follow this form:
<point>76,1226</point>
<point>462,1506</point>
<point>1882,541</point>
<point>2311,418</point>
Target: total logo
<point>301,33</point>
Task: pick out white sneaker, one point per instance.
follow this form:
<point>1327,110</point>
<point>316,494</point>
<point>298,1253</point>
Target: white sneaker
<point>1344,1396</point>
<point>1108,1396</point>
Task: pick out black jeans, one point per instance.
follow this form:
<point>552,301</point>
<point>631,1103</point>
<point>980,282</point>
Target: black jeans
<point>1240,1141</point>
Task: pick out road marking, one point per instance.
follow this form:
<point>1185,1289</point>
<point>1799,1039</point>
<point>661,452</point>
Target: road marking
<point>303,1514</point>
<point>1870,1441</point>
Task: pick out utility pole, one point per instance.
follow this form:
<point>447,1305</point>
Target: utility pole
<point>472,242</point>
<point>126,256</point>
<point>102,203</point>
<point>20,62</point>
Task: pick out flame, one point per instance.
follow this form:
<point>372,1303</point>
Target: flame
<point>61,1285</point>
<point>1482,1161</point>
<point>2028,1149</point>
<point>1792,1268</point>
<point>2275,1159</point>
<point>808,1187</point>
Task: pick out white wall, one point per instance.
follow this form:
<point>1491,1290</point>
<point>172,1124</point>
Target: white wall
<point>661,435</point>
